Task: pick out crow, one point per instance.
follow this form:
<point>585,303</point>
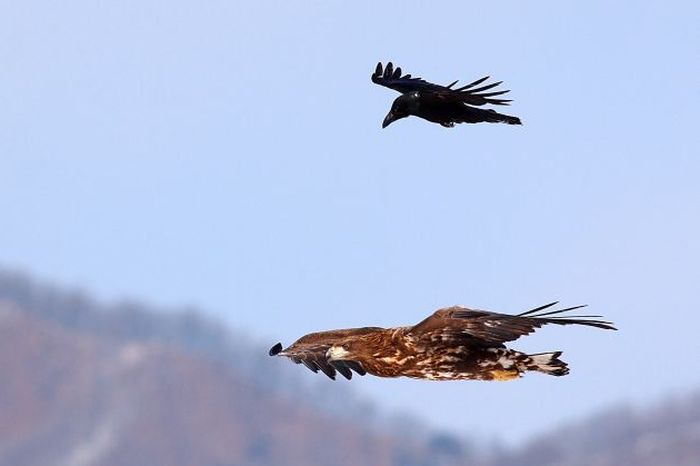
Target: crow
<point>440,104</point>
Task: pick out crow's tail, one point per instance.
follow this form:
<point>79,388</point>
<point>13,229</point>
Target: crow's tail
<point>493,116</point>
<point>478,115</point>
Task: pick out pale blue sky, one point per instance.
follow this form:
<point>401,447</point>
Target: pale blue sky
<point>230,155</point>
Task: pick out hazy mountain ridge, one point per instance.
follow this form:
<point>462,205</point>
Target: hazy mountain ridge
<point>667,433</point>
<point>87,384</point>
<point>123,384</point>
<point>184,328</point>
<point>75,399</point>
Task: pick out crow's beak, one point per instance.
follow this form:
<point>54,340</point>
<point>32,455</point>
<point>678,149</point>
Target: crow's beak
<point>388,119</point>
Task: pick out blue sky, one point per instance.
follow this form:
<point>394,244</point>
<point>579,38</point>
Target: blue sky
<point>230,155</point>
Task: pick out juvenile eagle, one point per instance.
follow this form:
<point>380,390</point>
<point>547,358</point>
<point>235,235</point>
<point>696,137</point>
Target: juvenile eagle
<point>455,343</point>
<point>440,104</point>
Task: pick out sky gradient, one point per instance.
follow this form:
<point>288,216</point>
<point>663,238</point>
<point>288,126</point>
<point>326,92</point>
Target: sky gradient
<point>230,155</point>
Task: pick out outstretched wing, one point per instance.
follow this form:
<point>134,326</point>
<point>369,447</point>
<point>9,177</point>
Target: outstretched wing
<point>310,351</point>
<point>469,94</point>
<point>391,77</point>
<point>477,327</point>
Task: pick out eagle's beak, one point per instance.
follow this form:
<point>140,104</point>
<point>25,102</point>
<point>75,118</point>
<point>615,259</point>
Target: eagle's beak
<point>275,350</point>
<point>336,353</point>
<point>390,118</point>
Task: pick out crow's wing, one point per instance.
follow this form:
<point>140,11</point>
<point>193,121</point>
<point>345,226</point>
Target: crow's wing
<point>469,94</point>
<point>477,327</point>
<point>391,77</point>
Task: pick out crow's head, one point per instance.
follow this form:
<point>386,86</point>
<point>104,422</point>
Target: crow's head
<point>404,105</point>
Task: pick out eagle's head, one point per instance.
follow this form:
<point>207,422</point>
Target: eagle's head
<point>340,352</point>
<point>403,106</point>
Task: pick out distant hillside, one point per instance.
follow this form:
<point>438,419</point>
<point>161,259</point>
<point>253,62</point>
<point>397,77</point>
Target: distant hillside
<point>86,384</point>
<point>185,329</point>
<point>666,434</point>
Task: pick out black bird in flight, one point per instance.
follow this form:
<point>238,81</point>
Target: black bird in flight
<point>440,104</point>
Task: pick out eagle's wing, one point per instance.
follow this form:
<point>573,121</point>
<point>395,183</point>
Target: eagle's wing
<point>468,94</point>
<point>310,350</point>
<point>479,327</point>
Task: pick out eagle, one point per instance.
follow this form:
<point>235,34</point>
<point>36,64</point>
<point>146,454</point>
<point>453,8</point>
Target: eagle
<point>444,105</point>
<point>454,343</point>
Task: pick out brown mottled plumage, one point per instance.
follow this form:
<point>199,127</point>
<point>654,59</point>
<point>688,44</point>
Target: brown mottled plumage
<point>454,343</point>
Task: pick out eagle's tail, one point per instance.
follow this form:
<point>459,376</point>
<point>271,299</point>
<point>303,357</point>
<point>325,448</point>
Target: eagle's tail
<point>549,363</point>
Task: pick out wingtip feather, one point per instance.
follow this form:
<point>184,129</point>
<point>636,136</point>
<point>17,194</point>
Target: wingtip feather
<point>532,311</point>
<point>389,70</point>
